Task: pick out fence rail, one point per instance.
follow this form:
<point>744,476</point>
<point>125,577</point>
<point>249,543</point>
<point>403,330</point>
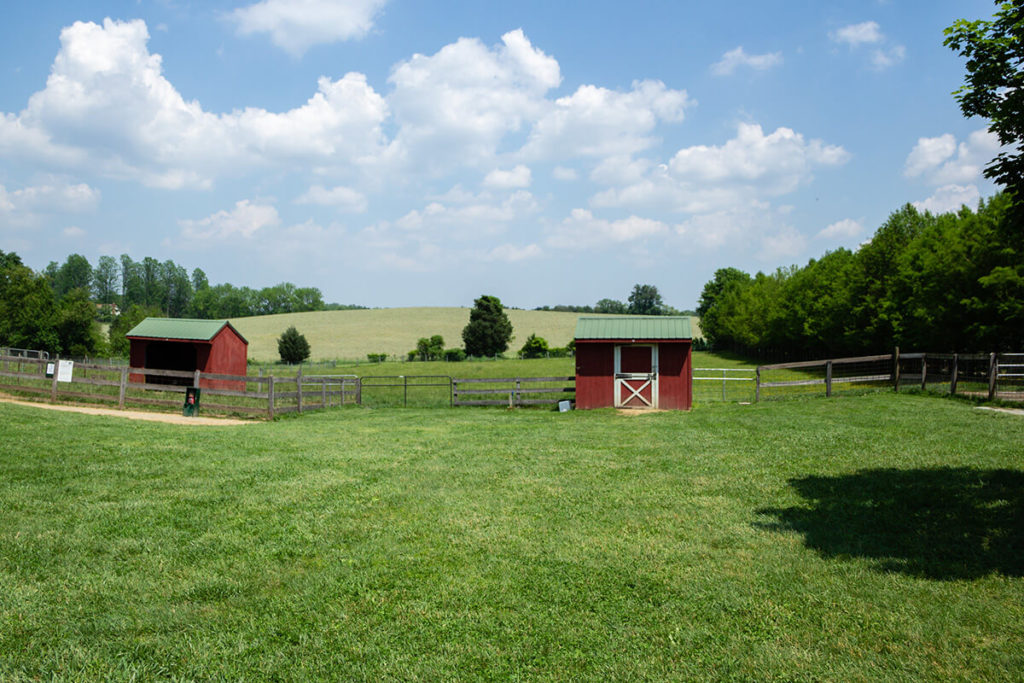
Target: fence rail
<point>706,381</point>
<point>512,389</point>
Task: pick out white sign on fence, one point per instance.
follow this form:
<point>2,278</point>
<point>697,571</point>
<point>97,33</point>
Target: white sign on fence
<point>64,370</point>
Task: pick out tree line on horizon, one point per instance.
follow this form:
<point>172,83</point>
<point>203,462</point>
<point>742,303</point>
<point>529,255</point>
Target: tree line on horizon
<point>643,300</point>
<point>58,310</point>
<point>924,282</point>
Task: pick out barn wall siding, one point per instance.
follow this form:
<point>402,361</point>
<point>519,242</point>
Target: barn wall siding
<point>595,371</point>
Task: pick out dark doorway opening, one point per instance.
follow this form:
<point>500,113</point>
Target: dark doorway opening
<point>170,356</point>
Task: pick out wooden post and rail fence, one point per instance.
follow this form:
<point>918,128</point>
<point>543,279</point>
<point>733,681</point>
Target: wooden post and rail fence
<point>990,376</point>
<point>257,395</point>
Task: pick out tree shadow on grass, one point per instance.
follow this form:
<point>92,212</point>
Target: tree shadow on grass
<point>948,523</point>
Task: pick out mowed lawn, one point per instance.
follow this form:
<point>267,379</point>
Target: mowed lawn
<point>874,537</point>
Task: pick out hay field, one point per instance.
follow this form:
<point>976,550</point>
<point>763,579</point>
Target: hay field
<point>353,334</point>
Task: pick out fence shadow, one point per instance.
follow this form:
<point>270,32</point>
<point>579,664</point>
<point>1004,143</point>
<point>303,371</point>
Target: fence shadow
<point>946,524</point>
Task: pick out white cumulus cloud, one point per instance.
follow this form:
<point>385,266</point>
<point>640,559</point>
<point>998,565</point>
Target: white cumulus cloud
<point>500,179</point>
<point>297,25</point>
<point>738,58</point>
<point>107,107</point>
<point>841,229</point>
<point>705,179</point>
<point>343,198</point>
<point>582,229</point>
<point>950,198</point>
<point>869,33</point>
<point>598,122</point>
<point>510,253</point>
<point>455,107</point>
<point>244,220</point>
<point>858,34</point>
<point>943,161</point>
<point>51,198</point>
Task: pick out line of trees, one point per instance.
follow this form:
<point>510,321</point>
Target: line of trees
<point>952,282</point>
<point>643,300</point>
<point>171,289</point>
<point>57,310</point>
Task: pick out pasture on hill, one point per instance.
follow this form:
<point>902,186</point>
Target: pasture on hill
<point>350,335</point>
<point>871,537</point>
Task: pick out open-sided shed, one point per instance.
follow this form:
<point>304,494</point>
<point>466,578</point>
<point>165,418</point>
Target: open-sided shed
<point>210,346</point>
<point>635,361</point>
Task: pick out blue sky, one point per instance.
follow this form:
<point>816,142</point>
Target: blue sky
<point>401,153</point>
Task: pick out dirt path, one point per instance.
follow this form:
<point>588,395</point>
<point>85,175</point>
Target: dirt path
<point>132,414</point>
<point>1010,411</point>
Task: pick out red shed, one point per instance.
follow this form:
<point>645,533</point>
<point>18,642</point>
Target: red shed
<point>186,344</point>
<point>636,361</point>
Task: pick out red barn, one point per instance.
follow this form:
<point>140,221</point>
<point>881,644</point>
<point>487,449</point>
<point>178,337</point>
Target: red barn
<point>636,361</point>
<point>185,344</point>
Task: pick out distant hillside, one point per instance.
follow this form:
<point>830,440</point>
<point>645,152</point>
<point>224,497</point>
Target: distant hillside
<point>353,334</point>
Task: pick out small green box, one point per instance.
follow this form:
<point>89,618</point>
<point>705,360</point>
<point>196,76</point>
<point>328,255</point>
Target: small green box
<point>191,407</point>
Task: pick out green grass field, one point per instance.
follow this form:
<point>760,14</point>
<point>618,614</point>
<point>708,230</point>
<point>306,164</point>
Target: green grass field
<point>874,537</point>
<point>350,335</point>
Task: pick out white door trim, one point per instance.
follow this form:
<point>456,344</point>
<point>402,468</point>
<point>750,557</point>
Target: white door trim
<point>624,379</point>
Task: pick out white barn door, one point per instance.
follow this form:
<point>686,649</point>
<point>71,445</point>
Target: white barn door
<point>636,376</point>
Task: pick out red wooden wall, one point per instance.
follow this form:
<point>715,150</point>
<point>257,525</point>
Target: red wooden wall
<point>595,370</point>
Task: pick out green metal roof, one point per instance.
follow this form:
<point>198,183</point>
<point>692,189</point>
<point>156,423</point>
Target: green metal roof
<point>634,327</point>
<point>180,328</point>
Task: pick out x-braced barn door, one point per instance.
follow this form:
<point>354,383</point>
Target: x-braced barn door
<point>636,376</point>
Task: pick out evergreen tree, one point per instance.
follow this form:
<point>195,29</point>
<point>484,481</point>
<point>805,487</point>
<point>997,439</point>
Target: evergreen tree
<point>489,330</point>
<point>293,346</point>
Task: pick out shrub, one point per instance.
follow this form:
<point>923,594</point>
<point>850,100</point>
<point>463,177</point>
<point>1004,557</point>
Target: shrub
<point>535,347</point>
<point>454,355</point>
<point>376,357</point>
<point>430,349</point>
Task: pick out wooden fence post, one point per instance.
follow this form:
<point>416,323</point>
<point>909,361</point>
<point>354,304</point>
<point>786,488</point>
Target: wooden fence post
<point>270,398</point>
<point>298,388</point>
<point>195,380</point>
<point>896,369</point>
<point>53,387</point>
<point>359,391</point>
<point>993,370</point>
<point>323,392</point>
<point>924,371</point>
<point>953,375</point>
<point>123,388</point>
<point>828,379</point>
<point>757,385</point>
